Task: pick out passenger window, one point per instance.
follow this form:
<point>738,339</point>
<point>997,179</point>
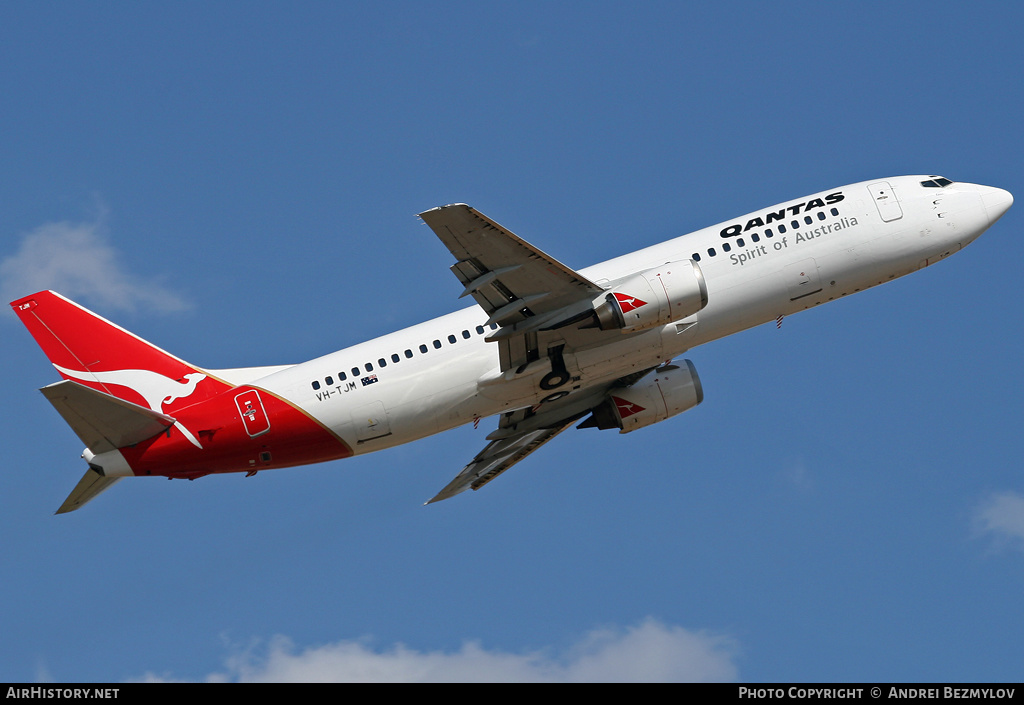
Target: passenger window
<point>355,371</point>
<point>451,339</point>
<point>316,385</point>
<point>329,381</point>
<point>782,229</point>
<point>423,348</point>
<point>834,211</point>
<point>726,247</point>
<point>795,224</point>
<point>739,243</point>
<point>408,353</point>
<point>394,357</point>
<point>480,330</point>
<point>808,219</point>
<point>382,362</point>
<point>342,376</point>
<point>755,238</point>
<point>769,233</point>
<point>369,366</point>
<point>821,216</point>
<point>437,344</point>
<point>696,257</point>
<point>465,334</point>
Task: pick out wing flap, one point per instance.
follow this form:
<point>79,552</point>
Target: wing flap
<point>101,421</point>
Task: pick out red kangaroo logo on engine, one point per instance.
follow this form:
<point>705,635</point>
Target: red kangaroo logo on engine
<point>626,408</point>
<point>628,303</point>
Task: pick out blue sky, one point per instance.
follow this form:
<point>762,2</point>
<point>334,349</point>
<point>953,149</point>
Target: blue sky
<point>237,183</point>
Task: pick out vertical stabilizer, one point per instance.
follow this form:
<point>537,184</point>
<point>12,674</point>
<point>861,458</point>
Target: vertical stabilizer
<point>94,352</point>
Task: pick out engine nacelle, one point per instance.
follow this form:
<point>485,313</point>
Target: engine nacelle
<point>667,391</point>
<point>651,298</point>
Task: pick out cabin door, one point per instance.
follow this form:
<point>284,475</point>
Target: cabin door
<point>885,201</point>
<point>254,416</point>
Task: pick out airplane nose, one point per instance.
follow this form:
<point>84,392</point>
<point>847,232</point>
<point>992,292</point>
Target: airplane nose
<point>997,202</point>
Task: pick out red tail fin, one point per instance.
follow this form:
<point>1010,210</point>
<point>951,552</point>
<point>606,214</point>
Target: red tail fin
<point>93,351</point>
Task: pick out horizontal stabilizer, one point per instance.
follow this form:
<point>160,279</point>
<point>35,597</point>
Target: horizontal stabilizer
<point>104,422</point>
<point>91,484</point>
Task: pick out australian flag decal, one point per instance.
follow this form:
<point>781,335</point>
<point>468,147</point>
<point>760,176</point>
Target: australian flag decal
<point>369,380</point>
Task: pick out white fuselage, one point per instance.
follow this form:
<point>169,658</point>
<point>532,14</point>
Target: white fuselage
<point>441,374</point>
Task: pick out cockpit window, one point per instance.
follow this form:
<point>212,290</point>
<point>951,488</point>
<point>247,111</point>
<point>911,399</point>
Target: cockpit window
<point>936,182</point>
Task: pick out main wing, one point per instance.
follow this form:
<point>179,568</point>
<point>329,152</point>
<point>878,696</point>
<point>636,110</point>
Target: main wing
<point>511,279</point>
<point>521,288</point>
<point>523,431</point>
<point>496,458</point>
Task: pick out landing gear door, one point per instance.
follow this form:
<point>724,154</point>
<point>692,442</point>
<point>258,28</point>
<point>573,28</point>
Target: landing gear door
<point>254,416</point>
<point>885,201</point>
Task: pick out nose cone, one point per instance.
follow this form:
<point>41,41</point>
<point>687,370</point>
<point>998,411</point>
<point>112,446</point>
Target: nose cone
<point>997,202</point>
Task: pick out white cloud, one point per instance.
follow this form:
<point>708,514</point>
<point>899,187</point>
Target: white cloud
<point>76,260</point>
<point>1002,515</point>
<point>651,651</point>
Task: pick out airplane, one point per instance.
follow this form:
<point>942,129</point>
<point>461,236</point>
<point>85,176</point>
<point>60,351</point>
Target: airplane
<point>545,346</point>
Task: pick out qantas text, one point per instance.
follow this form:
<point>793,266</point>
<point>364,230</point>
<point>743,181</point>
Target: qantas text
<point>781,214</point>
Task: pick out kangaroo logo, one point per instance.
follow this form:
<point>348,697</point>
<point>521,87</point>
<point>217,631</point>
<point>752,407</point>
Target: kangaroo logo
<point>155,388</point>
<point>626,408</point>
<point>628,303</point>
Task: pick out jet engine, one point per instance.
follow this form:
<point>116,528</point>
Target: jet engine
<point>667,391</point>
<point>653,297</point>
